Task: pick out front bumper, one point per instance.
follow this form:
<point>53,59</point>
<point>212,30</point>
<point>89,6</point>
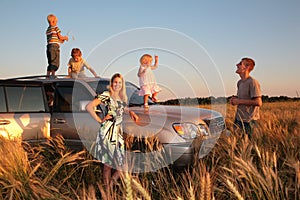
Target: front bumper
<point>185,154</point>
<point>180,155</point>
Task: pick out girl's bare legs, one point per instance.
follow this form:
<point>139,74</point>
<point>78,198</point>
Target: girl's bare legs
<point>109,180</point>
<point>154,98</point>
<point>114,178</point>
<point>107,176</point>
<point>146,96</point>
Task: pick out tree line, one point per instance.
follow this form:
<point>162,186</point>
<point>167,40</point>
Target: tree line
<point>222,100</point>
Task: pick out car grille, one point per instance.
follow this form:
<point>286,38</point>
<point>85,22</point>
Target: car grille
<point>215,125</point>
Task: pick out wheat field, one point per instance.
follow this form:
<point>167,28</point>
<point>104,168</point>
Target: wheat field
<point>265,167</point>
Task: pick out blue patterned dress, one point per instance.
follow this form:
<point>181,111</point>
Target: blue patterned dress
<point>110,147</point>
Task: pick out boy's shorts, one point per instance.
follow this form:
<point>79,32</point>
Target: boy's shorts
<point>53,54</point>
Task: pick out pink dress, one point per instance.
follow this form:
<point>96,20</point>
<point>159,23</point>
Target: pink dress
<point>147,81</point>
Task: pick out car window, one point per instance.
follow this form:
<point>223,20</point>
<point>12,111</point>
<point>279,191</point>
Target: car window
<point>99,86</point>
<point>133,95</point>
<point>49,90</point>
<point>69,98</point>
<point>63,99</point>
<point>2,100</point>
<point>25,99</point>
<point>132,91</point>
<point>80,94</point>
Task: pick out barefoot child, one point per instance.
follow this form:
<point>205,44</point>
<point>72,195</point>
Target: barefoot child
<point>147,80</point>
<point>54,38</point>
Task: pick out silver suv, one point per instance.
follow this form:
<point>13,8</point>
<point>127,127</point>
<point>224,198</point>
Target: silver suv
<point>35,108</point>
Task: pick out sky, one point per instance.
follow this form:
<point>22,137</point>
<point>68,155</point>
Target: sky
<point>198,42</point>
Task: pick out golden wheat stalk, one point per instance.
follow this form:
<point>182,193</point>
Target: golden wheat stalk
<point>192,192</point>
<point>208,186</point>
<point>234,190</point>
<point>129,195</point>
<point>141,190</point>
<point>202,188</point>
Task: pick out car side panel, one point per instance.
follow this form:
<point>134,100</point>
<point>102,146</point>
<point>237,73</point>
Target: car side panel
<point>28,126</point>
<point>69,118</point>
<point>23,114</point>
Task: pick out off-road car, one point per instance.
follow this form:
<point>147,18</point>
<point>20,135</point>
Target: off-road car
<point>36,108</point>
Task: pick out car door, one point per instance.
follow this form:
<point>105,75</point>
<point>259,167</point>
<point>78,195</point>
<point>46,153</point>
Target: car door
<point>23,112</point>
<point>69,117</point>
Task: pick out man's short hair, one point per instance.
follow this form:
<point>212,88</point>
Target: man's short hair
<point>249,62</point>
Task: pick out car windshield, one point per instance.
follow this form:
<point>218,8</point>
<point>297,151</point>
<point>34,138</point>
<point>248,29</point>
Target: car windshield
<point>132,92</point>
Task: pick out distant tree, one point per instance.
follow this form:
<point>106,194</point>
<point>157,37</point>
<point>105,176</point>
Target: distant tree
<point>221,100</point>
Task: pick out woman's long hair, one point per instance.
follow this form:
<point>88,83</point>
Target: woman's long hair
<point>122,92</point>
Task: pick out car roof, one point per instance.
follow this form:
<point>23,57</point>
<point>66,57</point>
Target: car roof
<point>45,79</point>
<point>20,82</point>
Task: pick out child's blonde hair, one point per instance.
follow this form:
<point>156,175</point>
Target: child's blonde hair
<point>50,18</point>
<point>145,57</point>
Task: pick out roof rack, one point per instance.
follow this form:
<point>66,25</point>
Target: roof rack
<point>36,76</point>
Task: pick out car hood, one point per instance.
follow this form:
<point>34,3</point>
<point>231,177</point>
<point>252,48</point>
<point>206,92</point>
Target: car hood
<point>158,121</point>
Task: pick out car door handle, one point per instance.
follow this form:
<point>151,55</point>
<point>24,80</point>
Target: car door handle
<point>4,122</point>
<point>59,121</point>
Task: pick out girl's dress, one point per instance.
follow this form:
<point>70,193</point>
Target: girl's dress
<point>110,147</point>
<point>147,81</point>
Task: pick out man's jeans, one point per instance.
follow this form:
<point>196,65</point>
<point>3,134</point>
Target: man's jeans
<point>246,127</point>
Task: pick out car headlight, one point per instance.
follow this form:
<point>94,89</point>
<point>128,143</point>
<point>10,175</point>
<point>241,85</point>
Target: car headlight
<point>189,130</point>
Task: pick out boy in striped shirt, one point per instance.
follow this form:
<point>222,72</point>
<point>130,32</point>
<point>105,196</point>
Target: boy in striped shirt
<point>54,38</point>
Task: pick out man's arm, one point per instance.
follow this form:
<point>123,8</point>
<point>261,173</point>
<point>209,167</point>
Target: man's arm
<point>256,101</point>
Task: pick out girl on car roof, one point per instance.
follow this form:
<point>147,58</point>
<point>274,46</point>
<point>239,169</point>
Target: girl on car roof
<point>147,79</point>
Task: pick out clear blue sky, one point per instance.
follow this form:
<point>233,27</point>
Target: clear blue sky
<point>198,42</point>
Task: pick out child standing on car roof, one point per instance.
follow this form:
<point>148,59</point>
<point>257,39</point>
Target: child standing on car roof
<point>147,79</point>
<point>77,64</point>
<point>54,39</point>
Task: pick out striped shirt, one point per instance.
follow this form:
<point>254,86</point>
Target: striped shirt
<point>52,35</point>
